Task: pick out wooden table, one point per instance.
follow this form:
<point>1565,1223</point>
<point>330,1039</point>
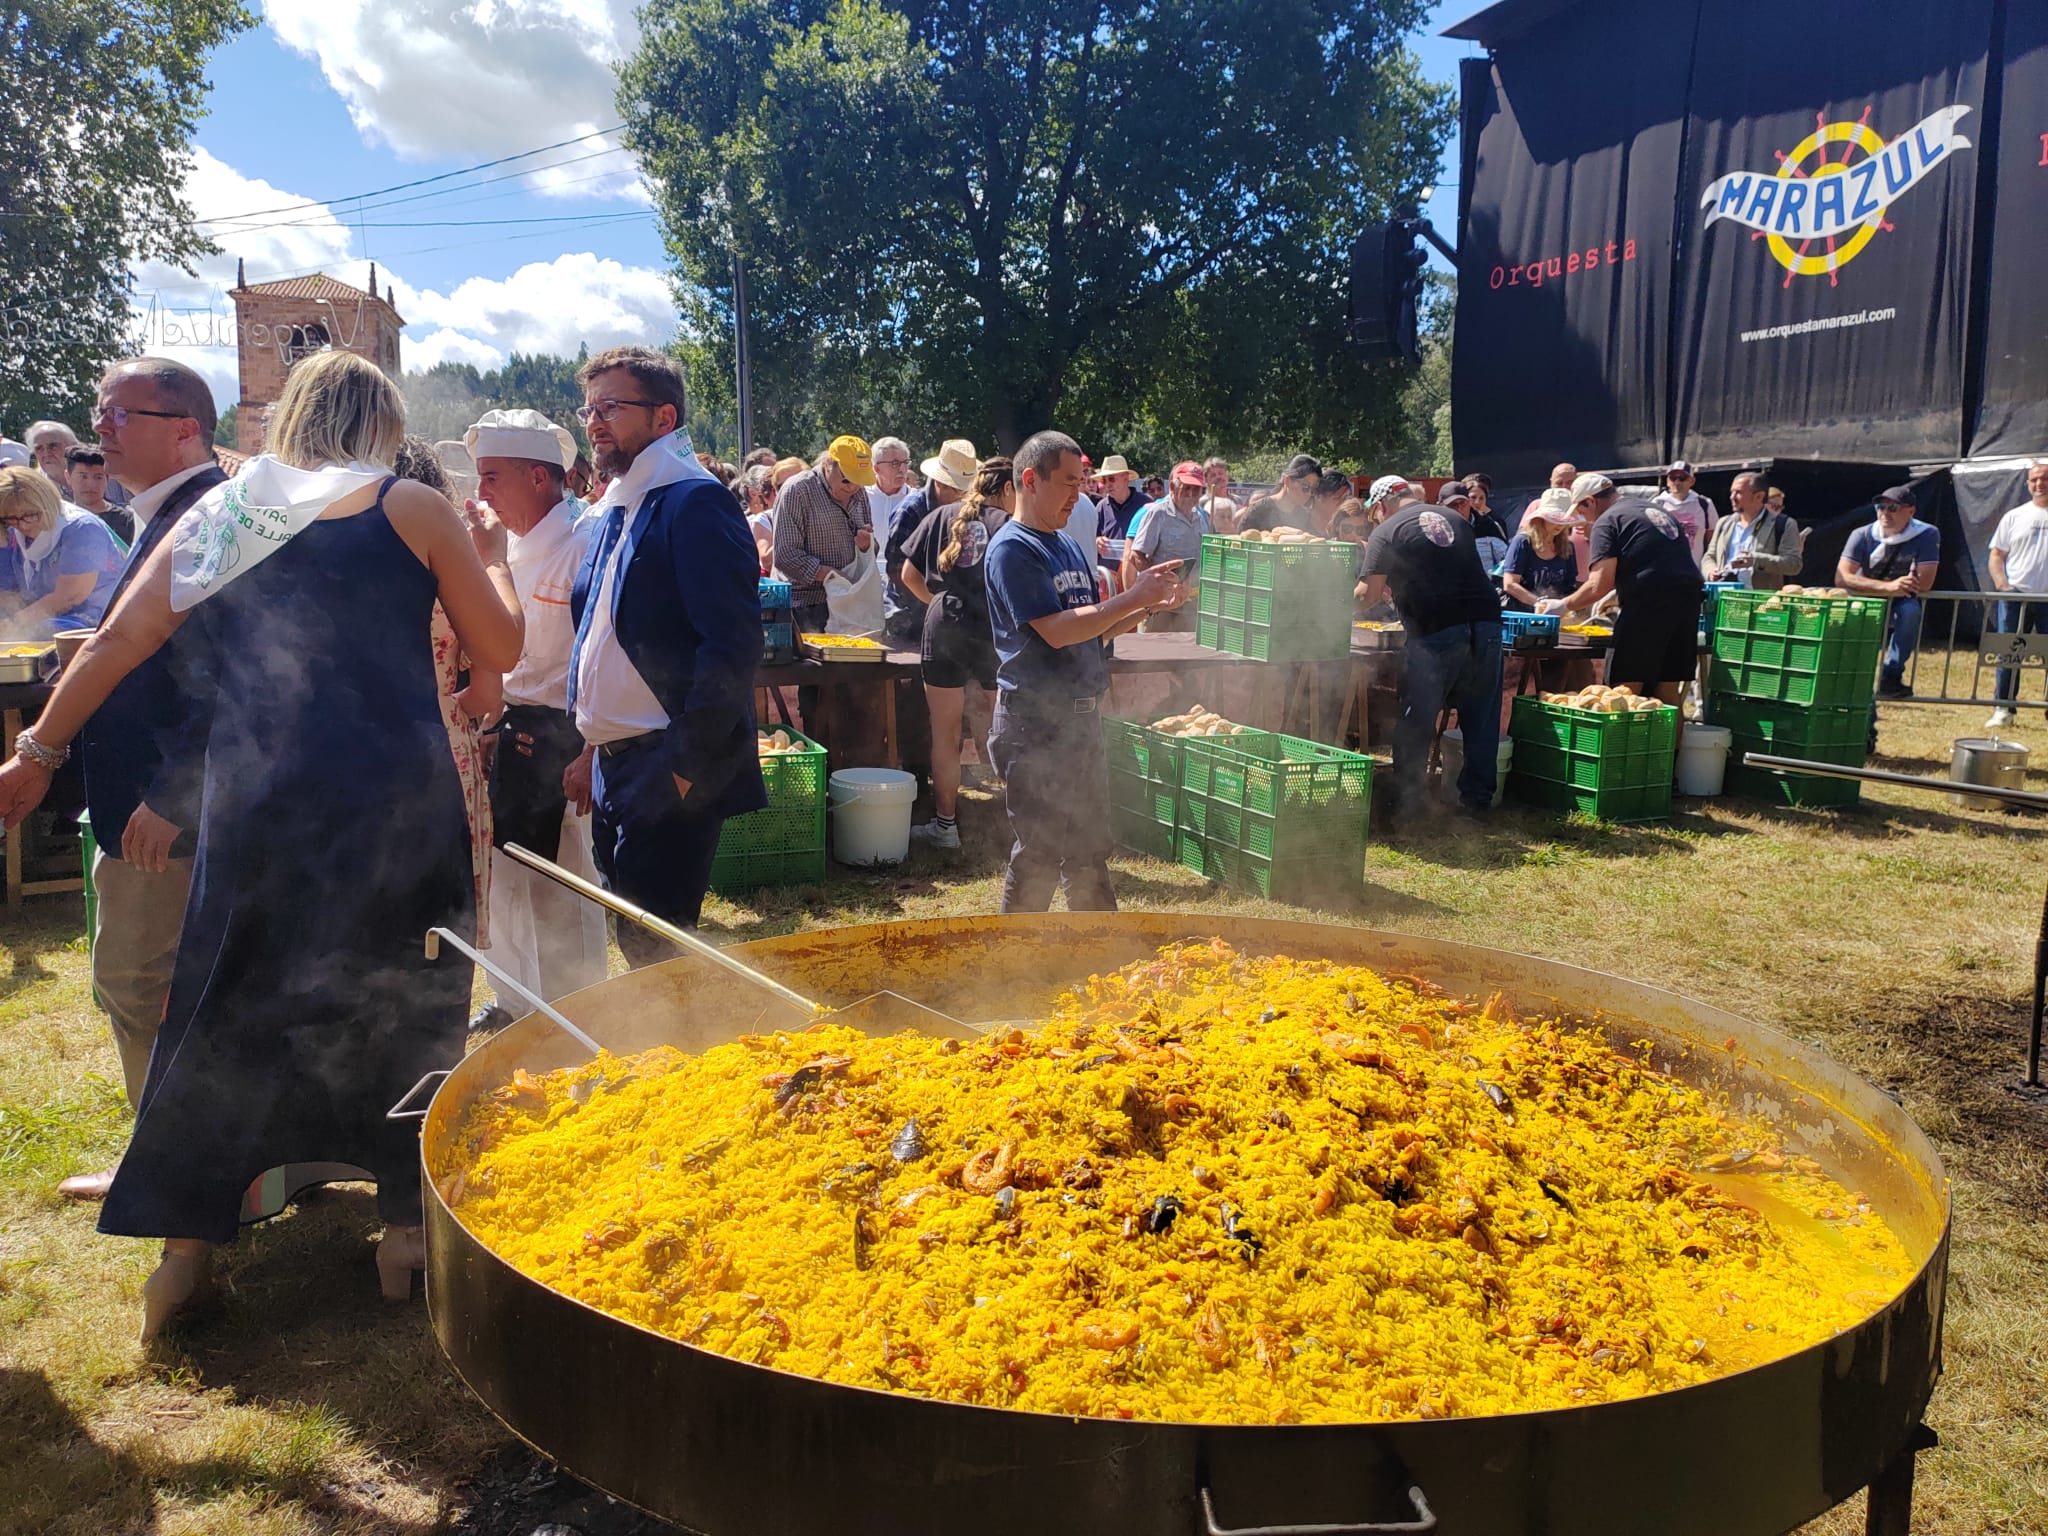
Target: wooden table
<point>20,703</point>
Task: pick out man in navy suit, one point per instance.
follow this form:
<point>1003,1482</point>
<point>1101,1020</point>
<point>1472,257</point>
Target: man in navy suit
<point>144,749</point>
<point>668,632</point>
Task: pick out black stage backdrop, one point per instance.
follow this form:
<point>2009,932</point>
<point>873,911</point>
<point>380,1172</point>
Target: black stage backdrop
<point>1564,266</point>
<point>1822,312</point>
<point>2013,415</point>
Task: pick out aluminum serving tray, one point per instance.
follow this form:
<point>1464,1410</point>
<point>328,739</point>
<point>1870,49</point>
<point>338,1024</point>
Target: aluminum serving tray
<point>841,653</point>
<point>28,669</point>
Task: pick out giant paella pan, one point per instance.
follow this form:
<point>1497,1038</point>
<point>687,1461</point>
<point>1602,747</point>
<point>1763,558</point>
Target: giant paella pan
<point>727,1440</point>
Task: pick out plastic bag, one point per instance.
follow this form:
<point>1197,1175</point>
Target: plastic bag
<point>855,598</point>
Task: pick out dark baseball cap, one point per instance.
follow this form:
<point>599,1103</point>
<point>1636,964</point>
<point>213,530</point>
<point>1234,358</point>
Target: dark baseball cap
<point>1452,490</point>
<point>1899,496</point>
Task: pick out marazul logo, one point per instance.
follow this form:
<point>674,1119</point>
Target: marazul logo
<point>1834,201</point>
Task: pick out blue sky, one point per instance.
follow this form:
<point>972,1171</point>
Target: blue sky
<point>325,100</point>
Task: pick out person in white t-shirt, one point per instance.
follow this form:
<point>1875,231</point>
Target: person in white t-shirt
<point>892,487</point>
<point>2019,563</point>
<point>1692,511</point>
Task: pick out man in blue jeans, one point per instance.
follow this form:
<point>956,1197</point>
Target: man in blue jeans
<point>1452,616</point>
<point>2019,564</point>
<point>1896,556</point>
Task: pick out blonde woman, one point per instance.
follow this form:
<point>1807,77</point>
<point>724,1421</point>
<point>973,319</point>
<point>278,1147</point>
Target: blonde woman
<point>1540,563</point>
<point>332,835</point>
<point>942,568</point>
<point>63,564</point>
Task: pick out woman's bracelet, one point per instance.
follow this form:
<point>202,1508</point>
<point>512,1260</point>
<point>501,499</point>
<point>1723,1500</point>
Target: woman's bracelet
<point>51,758</point>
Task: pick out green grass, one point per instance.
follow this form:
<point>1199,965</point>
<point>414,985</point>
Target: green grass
<point>1898,937</point>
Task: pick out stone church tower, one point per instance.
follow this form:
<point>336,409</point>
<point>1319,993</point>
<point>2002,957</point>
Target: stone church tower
<point>278,323</point>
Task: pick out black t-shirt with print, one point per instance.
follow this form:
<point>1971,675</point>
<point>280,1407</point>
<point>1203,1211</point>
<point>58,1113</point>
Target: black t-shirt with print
<point>1432,565</point>
<point>1650,551</point>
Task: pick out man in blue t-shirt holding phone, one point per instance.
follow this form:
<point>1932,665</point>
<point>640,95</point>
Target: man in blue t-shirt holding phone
<point>1052,668</point>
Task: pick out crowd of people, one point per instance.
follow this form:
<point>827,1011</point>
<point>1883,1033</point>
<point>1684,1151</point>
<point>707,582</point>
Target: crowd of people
<point>318,700</point>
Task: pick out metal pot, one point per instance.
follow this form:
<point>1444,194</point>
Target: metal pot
<point>1986,760</point>
<point>722,1446</point>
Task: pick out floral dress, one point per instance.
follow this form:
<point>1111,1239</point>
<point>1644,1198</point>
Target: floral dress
<point>465,739</point>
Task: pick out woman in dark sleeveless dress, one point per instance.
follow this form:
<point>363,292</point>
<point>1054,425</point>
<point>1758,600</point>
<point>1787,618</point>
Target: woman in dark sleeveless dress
<point>332,834</point>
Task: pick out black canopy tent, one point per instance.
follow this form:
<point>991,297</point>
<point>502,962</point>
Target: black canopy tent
<point>1802,239</point>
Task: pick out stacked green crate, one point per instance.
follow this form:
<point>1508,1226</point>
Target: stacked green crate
<point>1818,733</point>
<point>783,843</point>
<point>1275,815</point>
<point>1276,602</point>
<point>1798,649</point>
<point>1615,766</point>
<point>1795,675</point>
<point>1144,788</point>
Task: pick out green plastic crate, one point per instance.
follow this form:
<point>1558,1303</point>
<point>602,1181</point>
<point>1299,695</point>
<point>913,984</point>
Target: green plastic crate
<point>1304,882</point>
<point>1297,638</point>
<point>734,872</point>
<point>1841,620</point>
<point>1142,832</point>
<point>1209,598</point>
<point>1212,560</point>
<point>1816,651</point>
<point>1586,770</point>
<point>1144,769</point>
<point>1641,802</point>
<point>1299,568</point>
<point>1278,797</point>
<point>1801,789</point>
<point>1850,686</point>
<point>790,827</point>
<point>1794,730</point>
<point>1594,733</point>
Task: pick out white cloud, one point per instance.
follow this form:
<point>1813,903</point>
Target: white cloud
<point>553,306</point>
<point>472,79</point>
<point>450,347</point>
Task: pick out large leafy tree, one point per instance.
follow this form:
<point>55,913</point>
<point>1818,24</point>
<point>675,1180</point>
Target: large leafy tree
<point>1016,212</point>
<point>98,101</point>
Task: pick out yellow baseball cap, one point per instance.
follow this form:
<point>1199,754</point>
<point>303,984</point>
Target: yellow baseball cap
<point>853,458</point>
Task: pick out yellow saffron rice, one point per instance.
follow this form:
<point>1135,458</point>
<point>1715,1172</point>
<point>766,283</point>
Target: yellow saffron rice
<point>1209,1187</point>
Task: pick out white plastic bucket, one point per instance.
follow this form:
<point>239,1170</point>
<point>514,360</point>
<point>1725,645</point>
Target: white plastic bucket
<point>871,815</point>
<point>1454,764</point>
<point>1703,758</point>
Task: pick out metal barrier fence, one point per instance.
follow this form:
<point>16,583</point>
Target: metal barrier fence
<point>1995,651</point>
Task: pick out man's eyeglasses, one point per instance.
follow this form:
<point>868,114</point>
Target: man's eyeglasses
<point>892,463</point>
<point>118,415</point>
<point>605,410</point>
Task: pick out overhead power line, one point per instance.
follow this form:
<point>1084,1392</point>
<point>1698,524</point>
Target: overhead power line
<point>424,181</point>
<point>241,226</point>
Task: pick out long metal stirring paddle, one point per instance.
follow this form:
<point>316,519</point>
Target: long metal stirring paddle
<point>436,937</point>
<point>883,1009</point>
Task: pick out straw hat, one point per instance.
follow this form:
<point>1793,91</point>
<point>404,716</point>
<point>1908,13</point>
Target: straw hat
<point>1553,506</point>
<point>954,464</point>
<point>1115,464</point>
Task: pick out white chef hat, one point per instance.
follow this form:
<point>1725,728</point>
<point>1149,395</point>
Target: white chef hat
<point>520,435</point>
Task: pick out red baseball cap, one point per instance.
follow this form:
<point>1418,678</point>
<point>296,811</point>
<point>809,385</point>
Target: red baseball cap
<point>1188,472</point>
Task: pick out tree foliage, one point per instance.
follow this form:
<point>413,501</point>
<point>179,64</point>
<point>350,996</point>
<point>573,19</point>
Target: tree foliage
<point>98,101</point>
<point>988,216</point>
<point>442,402</point>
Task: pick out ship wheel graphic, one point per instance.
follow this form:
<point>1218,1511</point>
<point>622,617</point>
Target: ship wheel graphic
<point>1857,136</point>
